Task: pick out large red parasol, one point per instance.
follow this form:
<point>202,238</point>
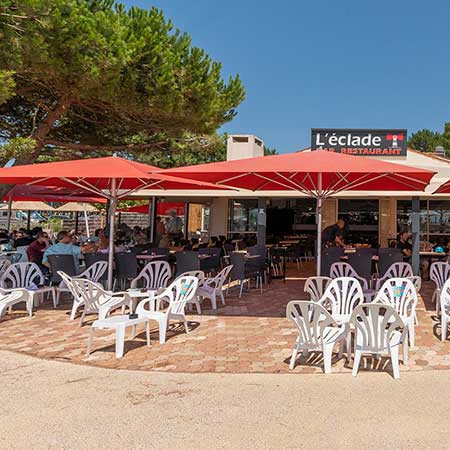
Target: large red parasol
<point>112,178</point>
<point>319,174</point>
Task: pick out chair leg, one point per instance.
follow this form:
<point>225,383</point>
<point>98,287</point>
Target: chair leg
<point>241,288</point>
<point>89,346</point>
<point>163,330</point>
<point>405,349</point>
<point>394,360</point>
<point>147,332</point>
<point>327,354</point>
<point>294,355</point>
<point>186,327</point>
<point>74,311</point>
<point>356,362</point>
<point>411,333</point>
<point>444,319</point>
<point>437,299</point>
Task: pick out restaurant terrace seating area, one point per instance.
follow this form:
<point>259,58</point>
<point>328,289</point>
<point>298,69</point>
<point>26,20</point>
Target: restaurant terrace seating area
<point>256,331</point>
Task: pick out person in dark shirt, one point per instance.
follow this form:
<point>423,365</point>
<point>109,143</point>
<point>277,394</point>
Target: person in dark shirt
<point>333,235</point>
<point>404,245</point>
<point>36,249</point>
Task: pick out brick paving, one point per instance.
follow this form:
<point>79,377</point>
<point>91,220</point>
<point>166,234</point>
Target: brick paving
<point>248,335</point>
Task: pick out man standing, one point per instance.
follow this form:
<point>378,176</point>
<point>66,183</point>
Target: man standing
<point>332,236</point>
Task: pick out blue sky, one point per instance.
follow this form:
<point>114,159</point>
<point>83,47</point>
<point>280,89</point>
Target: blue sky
<point>306,64</point>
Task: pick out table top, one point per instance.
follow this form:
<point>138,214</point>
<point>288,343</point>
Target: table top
<point>116,321</point>
<point>434,254</point>
<point>138,293</point>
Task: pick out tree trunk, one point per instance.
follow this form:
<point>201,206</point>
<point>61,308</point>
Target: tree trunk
<point>39,135</point>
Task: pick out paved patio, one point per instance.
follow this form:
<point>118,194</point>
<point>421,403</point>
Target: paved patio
<point>248,335</point>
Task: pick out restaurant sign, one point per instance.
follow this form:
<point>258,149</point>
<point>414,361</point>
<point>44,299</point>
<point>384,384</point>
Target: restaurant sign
<point>360,142</point>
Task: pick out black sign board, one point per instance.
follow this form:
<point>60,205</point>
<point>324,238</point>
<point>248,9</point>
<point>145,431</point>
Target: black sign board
<point>360,142</point>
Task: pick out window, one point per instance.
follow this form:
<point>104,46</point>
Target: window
<point>361,219</point>
<point>243,216</point>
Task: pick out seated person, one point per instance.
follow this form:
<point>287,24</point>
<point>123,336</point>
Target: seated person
<point>36,249</point>
<point>23,238</point>
<point>64,246</point>
<point>404,245</point>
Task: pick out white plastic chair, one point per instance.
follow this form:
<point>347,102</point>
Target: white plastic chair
<point>178,293</point>
<point>343,269</point>
<point>341,297</point>
<point>444,301</point>
<point>94,273</point>
<point>4,264</point>
<point>22,251</point>
<point>315,287</point>
<point>401,294</point>
<point>396,270</point>
<point>379,330</point>
<point>98,301</point>
<point>195,300</point>
<point>317,331</point>
<point>10,298</point>
<point>213,287</point>
<point>439,274</point>
<point>26,275</point>
<point>154,275</point>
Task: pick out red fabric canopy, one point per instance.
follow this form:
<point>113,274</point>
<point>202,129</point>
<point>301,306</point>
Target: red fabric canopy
<point>300,171</point>
<point>163,208</point>
<point>96,175</point>
<point>444,188</point>
<point>32,193</point>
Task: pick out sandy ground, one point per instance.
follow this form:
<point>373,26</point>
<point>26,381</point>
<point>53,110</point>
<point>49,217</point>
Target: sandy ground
<point>55,405</point>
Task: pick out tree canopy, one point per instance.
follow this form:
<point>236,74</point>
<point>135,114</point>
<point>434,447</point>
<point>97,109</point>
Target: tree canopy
<point>425,140</point>
<point>84,77</point>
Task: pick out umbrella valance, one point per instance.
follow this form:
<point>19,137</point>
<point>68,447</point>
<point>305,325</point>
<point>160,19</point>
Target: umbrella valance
<point>77,207</point>
<point>28,206</point>
<point>25,192</point>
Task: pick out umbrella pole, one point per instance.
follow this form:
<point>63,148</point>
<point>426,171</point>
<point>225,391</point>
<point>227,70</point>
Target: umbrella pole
<point>319,235</point>
<point>86,221</point>
<point>319,225</point>
<point>8,223</point>
<point>112,210</point>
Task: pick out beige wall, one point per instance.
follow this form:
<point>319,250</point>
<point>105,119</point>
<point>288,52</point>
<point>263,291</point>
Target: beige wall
<point>387,225</point>
<point>329,212</point>
<point>218,220</point>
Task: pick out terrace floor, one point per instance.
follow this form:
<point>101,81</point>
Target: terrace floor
<point>248,335</point>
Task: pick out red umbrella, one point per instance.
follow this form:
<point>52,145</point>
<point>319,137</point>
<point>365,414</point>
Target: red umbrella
<point>444,188</point>
<point>319,174</point>
<point>112,178</point>
<point>50,194</point>
<point>163,208</point>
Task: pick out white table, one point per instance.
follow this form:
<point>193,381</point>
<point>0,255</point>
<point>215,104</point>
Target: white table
<point>136,294</point>
<point>119,324</point>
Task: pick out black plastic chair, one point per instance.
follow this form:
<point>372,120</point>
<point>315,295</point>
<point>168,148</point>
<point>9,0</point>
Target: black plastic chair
<point>362,262</point>
<point>387,257</point>
<point>330,256</point>
<point>92,258</point>
<point>187,262</point>
<point>212,263</point>
<point>163,253</point>
<point>126,267</point>
<point>242,272</point>
<point>64,263</point>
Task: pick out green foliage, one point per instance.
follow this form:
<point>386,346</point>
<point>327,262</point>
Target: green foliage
<point>7,85</point>
<point>17,148</point>
<point>93,77</point>
<point>425,140</point>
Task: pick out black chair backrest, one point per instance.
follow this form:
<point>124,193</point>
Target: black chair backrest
<point>238,270</point>
<point>126,265</point>
<point>92,258</point>
<point>330,256</point>
<point>362,262</point>
<point>260,251</point>
<point>387,257</point>
<point>65,263</point>
<point>211,263</point>
<point>187,262</point>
